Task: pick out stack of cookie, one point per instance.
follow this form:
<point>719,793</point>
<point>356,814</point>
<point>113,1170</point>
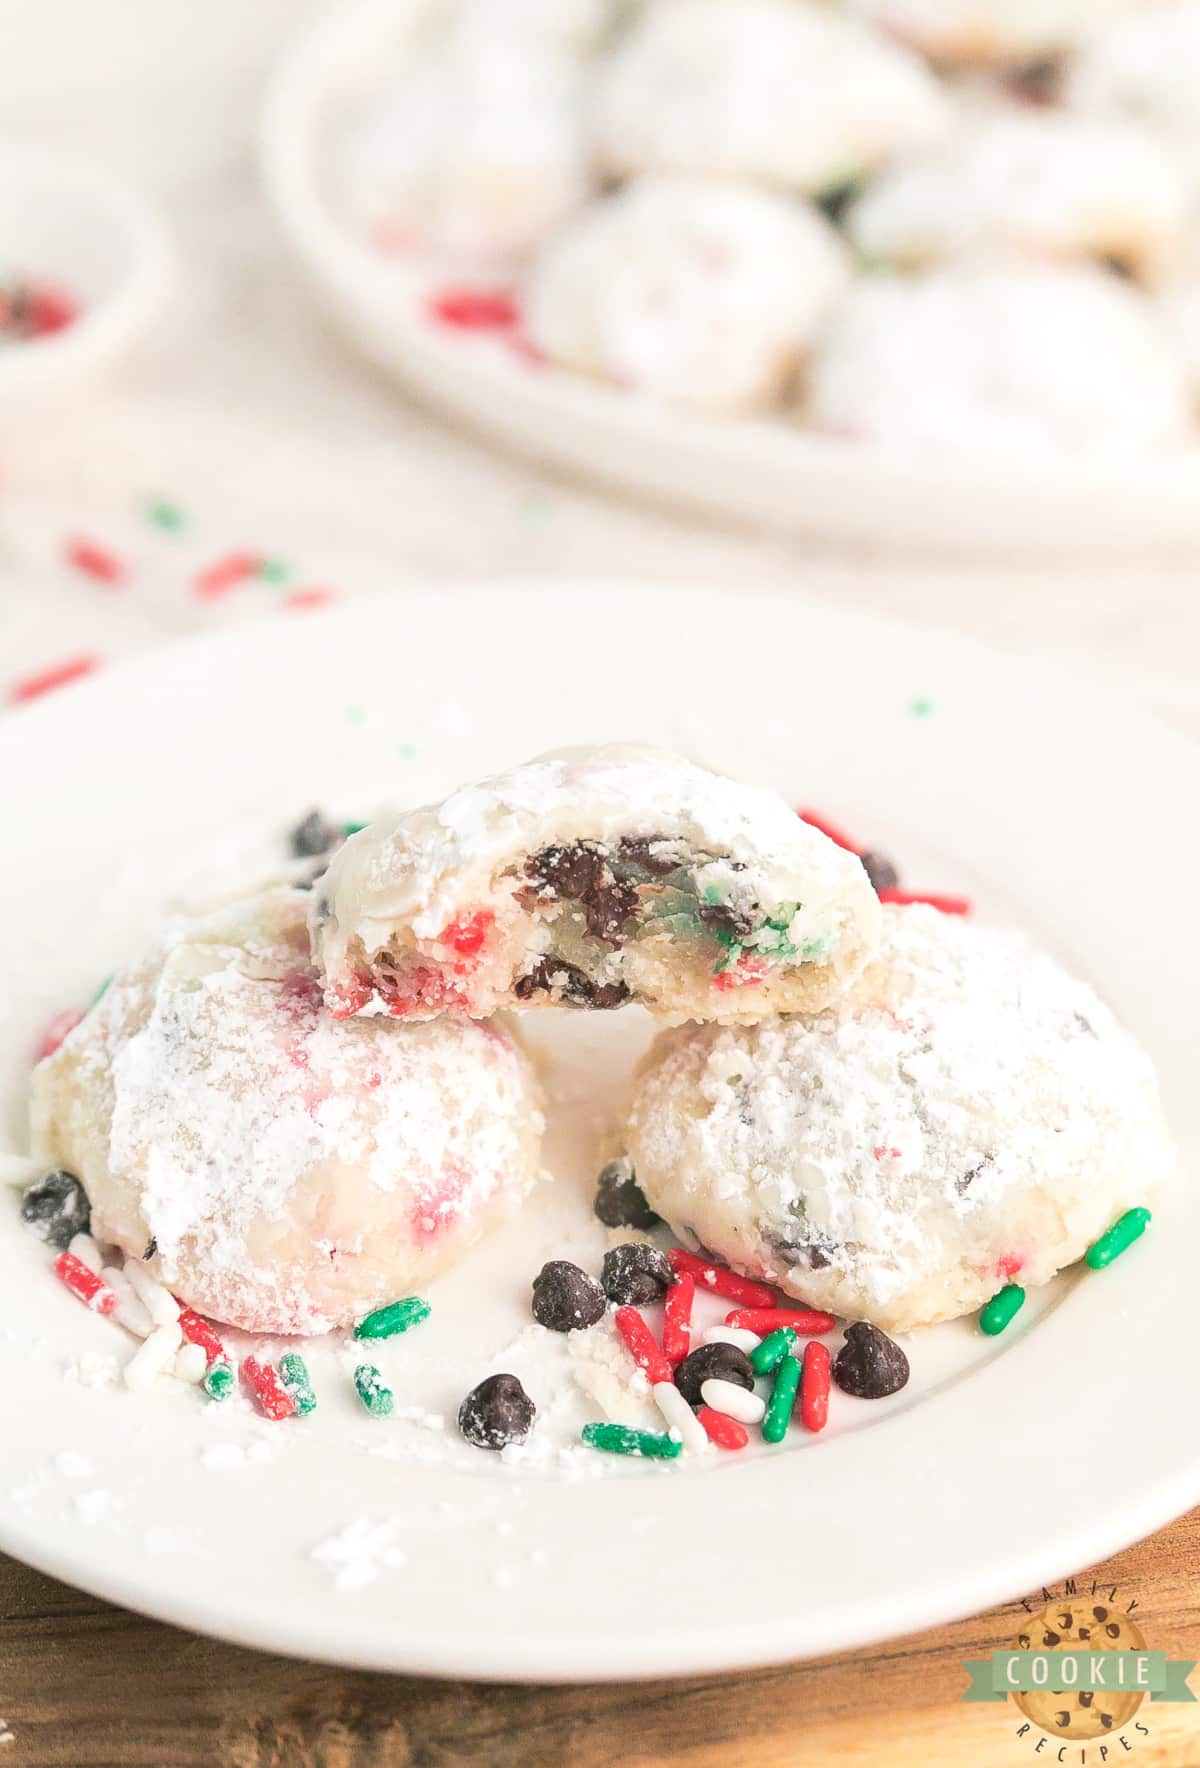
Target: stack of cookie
<point>303,1105</point>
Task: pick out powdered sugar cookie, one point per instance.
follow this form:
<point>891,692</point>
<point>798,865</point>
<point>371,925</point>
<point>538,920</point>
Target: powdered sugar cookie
<point>471,152</point>
<point>1039,183</point>
<point>290,1172</point>
<point>991,33</point>
<point>589,878</point>
<point>1147,67</point>
<point>779,91</point>
<point>1015,359</point>
<point>702,294</point>
<point>968,1114</point>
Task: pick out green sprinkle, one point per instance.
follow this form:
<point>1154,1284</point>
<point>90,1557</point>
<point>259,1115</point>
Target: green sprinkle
<point>100,993</point>
<point>274,570</point>
<point>218,1383</point>
<point>374,1395</point>
<point>1003,1308</point>
<point>167,516</point>
<point>398,1316</point>
<point>349,829</point>
<point>293,1372</point>
<point>618,1439</point>
<point>1121,1235</point>
<point>770,1353</point>
<point>783,1398</point>
<point>921,708</point>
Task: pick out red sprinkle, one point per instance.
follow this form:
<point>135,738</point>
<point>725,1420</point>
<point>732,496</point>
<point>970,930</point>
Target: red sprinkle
<point>58,1029</point>
<point>475,309</point>
<point>273,1399</point>
<point>808,1322</point>
<point>726,1432</point>
<point>32,687</point>
<point>641,1345</point>
<point>198,1331</point>
<point>814,1387</point>
<point>467,935</point>
<point>824,827</point>
<point>84,1283</point>
<point>300,599</point>
<point>95,561</point>
<point>748,972</point>
<point>948,905</point>
<point>722,1282</point>
<point>1008,1266</point>
<point>677,1318</point>
<point>219,578</point>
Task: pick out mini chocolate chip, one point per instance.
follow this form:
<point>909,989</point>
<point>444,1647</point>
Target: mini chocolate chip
<point>634,1274</point>
<point>636,850</point>
<point>572,871</point>
<point>566,1298</point>
<point>496,1413</point>
<point>607,909</point>
<point>620,1202</point>
<point>312,836</point>
<point>712,1362</point>
<point>575,988</point>
<point>57,1209</point>
<point>870,1365</point>
<point>880,870</point>
<point>151,1248</point>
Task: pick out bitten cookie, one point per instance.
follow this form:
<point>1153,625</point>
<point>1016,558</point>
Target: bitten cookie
<point>967,1115</point>
<point>705,295</point>
<point>1019,360</point>
<point>781,92</point>
<point>290,1173</point>
<point>589,878</point>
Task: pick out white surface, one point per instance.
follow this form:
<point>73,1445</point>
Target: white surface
<point>762,470</point>
<point>980,1479</point>
<point>103,245</point>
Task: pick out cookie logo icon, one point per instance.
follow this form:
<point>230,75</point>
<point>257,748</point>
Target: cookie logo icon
<point>1079,1625</point>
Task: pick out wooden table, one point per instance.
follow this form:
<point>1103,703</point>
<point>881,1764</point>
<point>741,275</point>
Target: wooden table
<point>85,1685</point>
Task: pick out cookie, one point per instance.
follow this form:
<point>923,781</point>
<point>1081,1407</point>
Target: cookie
<point>291,1173</point>
<point>701,295</point>
<point>968,1115</point>
<point>1038,183</point>
<point>993,33</point>
<point>1013,360</point>
<point>590,878</point>
<point>468,153</point>
<point>1070,1625</point>
<point>796,97</point>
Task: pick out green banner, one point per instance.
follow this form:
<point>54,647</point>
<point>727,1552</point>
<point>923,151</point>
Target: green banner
<point>1138,1672</point>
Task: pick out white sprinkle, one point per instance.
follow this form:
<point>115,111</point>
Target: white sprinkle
<point>153,1357</point>
<point>734,1401</point>
<point>190,1363</point>
<point>73,1465</point>
<point>680,1419</point>
<point>159,1303</point>
<point>19,1171</point>
<point>85,1249</point>
<point>129,1311</point>
<point>745,1341</point>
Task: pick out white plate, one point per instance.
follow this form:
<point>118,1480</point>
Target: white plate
<point>1005,1462</point>
<point>759,471</point>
